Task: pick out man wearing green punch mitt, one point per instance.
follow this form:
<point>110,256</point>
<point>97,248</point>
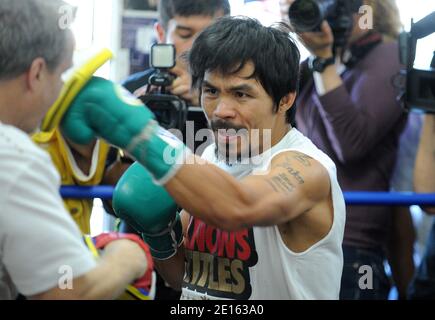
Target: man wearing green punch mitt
<point>262,218</point>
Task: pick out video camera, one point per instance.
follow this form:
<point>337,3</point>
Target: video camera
<point>308,15</point>
<point>419,89</point>
<point>170,110</point>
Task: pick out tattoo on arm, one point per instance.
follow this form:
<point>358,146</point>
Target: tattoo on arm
<point>302,158</point>
<point>296,174</point>
<point>281,183</point>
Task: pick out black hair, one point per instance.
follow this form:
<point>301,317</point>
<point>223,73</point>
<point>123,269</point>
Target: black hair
<point>231,42</point>
<point>185,8</point>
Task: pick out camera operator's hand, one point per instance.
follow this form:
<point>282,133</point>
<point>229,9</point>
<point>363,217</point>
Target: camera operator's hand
<point>182,84</point>
<point>319,43</point>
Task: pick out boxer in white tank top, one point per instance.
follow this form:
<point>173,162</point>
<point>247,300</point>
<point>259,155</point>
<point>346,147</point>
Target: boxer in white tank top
<point>264,266</point>
<point>262,219</point>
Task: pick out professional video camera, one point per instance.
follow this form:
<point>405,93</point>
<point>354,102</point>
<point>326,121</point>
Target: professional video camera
<point>308,15</point>
<point>419,89</point>
<point>170,110</point>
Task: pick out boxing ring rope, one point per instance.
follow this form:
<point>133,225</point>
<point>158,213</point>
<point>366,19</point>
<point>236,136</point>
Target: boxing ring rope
<point>356,198</point>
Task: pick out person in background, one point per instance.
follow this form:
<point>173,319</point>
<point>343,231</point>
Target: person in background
<point>179,23</point>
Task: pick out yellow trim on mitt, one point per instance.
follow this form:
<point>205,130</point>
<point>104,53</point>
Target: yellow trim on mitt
<point>72,87</point>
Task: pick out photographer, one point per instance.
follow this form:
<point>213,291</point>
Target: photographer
<point>180,21</point>
<point>348,108</point>
<point>423,285</point>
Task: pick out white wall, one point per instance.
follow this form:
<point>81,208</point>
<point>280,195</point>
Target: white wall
<point>97,26</point>
<point>418,9</point>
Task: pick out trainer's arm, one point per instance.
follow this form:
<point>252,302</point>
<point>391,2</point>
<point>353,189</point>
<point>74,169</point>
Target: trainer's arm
<point>294,185</point>
<point>123,262</point>
<point>40,235</point>
<point>424,173</point>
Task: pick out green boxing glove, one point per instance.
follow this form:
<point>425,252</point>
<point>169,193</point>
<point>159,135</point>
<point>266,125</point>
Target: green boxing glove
<point>104,109</point>
<point>149,209</point>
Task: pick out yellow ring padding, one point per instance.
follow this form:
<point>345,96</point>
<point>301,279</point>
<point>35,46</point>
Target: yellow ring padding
<point>72,87</point>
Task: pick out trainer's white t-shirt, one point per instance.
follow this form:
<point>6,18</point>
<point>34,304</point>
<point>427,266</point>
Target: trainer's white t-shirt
<point>255,263</point>
<point>40,245</point>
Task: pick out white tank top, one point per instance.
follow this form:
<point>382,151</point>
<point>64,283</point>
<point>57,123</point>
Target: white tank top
<point>255,263</point>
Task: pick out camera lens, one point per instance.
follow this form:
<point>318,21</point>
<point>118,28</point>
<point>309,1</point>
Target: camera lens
<point>305,15</point>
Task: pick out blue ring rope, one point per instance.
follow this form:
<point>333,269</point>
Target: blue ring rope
<point>351,198</point>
